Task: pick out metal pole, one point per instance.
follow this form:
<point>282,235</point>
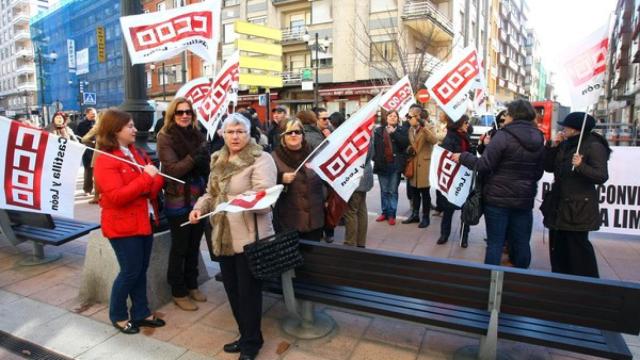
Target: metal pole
<point>164,81</point>
<point>39,55</point>
<point>315,88</point>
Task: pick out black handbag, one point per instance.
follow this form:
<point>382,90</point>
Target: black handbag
<point>472,208</point>
<point>271,256</point>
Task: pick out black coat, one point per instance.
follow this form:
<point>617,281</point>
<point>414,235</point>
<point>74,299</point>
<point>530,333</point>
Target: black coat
<point>511,165</point>
<point>399,143</point>
<point>575,203</point>
<point>453,142</point>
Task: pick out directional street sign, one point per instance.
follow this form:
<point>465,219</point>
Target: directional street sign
<point>88,98</point>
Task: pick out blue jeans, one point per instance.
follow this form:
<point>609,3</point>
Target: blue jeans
<point>513,224</point>
<point>389,193</point>
<point>133,255</point>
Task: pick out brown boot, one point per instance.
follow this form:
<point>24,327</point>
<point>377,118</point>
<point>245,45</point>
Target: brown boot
<point>197,295</point>
<point>185,303</point>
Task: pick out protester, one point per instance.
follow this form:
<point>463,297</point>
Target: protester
<point>274,127</point>
<point>422,137</point>
<point>356,217</point>
<point>486,137</point>
<point>390,143</point>
<point>456,141</point>
<point>441,133</point>
<point>325,127</point>
<point>409,189</point>
<point>300,206</point>
<point>241,166</point>
<point>336,119</point>
<point>572,209</point>
<point>129,203</point>
<point>89,139</point>
<point>82,129</point>
<point>183,154</point>
<point>323,121</point>
<point>313,135</point>
<point>60,126</point>
<point>511,166</point>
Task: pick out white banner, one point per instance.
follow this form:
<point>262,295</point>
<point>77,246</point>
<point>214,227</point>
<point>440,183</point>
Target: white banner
<point>453,180</point>
<point>222,92</point>
<point>195,91</point>
<point>450,85</point>
<point>585,67</point>
<point>38,169</point>
<point>399,97</point>
<point>82,61</point>
<point>255,201</point>
<point>71,55</point>
<point>161,35</point>
<point>619,197</point>
<point>342,159</point>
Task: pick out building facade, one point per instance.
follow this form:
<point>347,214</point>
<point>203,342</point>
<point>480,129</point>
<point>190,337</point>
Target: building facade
<point>87,41</point>
<point>511,61</point>
<point>17,68</point>
<point>535,78</point>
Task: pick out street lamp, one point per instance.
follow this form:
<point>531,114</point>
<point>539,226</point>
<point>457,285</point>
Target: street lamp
<point>325,44</point>
<point>51,57</point>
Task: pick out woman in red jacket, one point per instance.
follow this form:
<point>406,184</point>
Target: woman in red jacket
<point>128,198</point>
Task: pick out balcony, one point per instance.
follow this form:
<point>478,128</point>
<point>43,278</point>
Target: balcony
<point>425,18</point>
<point>25,70</point>
<point>512,86</point>
<point>503,36</point>
<point>512,65</point>
<point>293,77</point>
<point>503,59</point>
<point>513,41</point>
<point>24,53</point>
<point>522,71</point>
<point>20,18</point>
<point>26,86</point>
<point>504,10</point>
<point>21,35</point>
<point>501,82</point>
<point>293,35</point>
<point>430,63</point>
<point>284,2</point>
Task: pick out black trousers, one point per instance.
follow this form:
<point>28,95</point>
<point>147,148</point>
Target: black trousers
<point>418,196</point>
<point>87,186</point>
<point>571,253</point>
<point>182,273</point>
<point>447,218</point>
<point>245,297</point>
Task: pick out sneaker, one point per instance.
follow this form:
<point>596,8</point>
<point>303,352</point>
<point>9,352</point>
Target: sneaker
<point>185,303</point>
<point>392,221</point>
<point>197,295</point>
<point>382,217</point>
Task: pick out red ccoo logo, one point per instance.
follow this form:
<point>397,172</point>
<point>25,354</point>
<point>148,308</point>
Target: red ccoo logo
<point>197,23</point>
<point>353,148</point>
<point>23,166</point>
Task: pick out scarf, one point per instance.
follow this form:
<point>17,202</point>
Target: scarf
<point>388,148</point>
<point>222,170</point>
<point>464,141</point>
<point>186,140</point>
<point>293,158</point>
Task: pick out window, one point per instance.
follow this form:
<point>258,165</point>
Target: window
<point>228,33</point>
<point>321,11</point>
<point>161,6</point>
<point>262,20</point>
<point>149,79</point>
<point>231,2</point>
<point>383,5</point>
<point>384,50</point>
<point>297,61</point>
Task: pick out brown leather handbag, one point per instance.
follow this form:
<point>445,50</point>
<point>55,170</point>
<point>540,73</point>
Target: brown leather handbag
<point>409,167</point>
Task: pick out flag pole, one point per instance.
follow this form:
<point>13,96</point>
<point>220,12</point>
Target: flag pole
<point>132,163</point>
<point>584,122</point>
<point>321,145</point>
<point>199,218</point>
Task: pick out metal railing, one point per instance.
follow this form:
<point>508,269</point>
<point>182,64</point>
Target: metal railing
<point>293,77</point>
<point>293,34</point>
<point>417,9</point>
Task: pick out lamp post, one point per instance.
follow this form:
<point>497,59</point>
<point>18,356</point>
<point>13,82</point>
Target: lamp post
<point>41,58</point>
<point>307,38</point>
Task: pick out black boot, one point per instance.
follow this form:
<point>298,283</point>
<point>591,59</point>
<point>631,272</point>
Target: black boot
<point>414,218</point>
<point>425,221</point>
<point>442,240</point>
<point>465,240</point>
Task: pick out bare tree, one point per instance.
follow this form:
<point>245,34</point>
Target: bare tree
<point>413,52</point>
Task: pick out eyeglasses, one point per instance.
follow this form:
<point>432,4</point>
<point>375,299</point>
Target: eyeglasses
<point>235,132</point>
<point>294,132</point>
<point>183,112</point>
<point>324,118</point>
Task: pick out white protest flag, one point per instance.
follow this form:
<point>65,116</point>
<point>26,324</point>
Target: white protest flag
<point>585,67</point>
<point>161,35</point>
<point>341,162</point>
<point>450,85</point>
<point>195,91</point>
<point>399,97</point>
<point>450,178</point>
<point>223,91</point>
<point>38,169</point>
<point>256,201</point>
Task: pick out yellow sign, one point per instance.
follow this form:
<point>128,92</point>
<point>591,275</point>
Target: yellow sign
<point>100,42</point>
<point>260,55</point>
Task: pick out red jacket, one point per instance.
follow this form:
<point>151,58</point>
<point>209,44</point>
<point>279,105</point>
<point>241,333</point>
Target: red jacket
<point>124,191</point>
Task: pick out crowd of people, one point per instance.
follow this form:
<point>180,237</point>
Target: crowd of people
<point>246,155</point>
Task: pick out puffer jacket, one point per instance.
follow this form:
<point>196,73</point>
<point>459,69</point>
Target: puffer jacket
<point>575,206</point>
<point>399,143</point>
<point>511,165</point>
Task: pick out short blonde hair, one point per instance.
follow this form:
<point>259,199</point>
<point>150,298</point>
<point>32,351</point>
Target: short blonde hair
<point>291,125</point>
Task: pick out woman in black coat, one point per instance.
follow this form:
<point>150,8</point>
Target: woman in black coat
<point>456,141</point>
<point>571,209</point>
